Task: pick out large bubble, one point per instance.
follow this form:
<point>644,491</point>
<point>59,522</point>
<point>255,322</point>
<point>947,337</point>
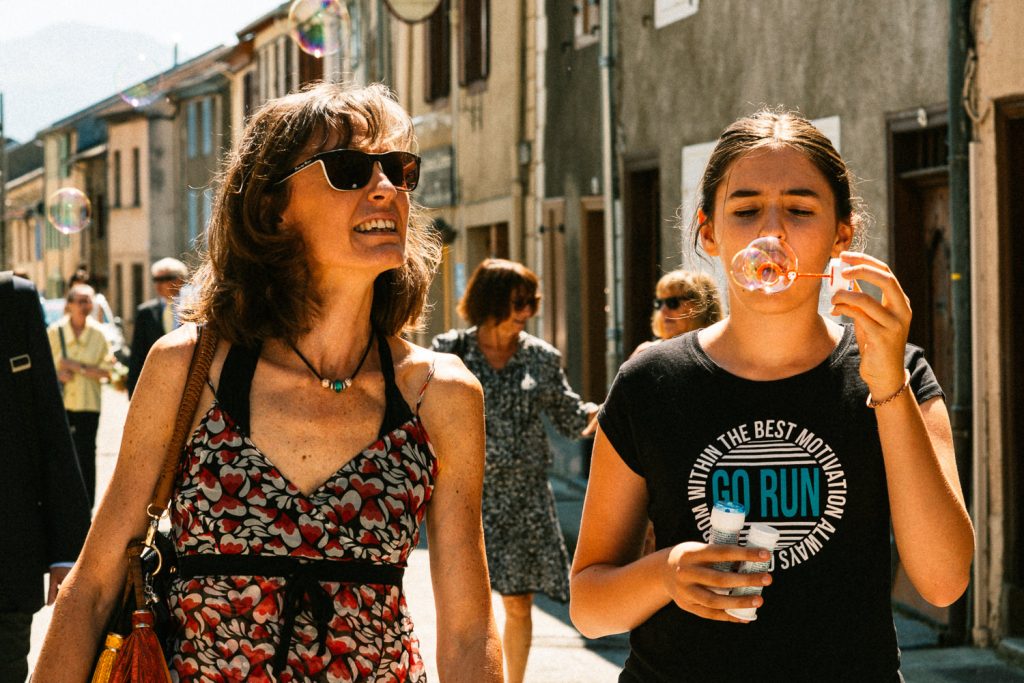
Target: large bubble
<point>138,81</point>
<point>318,26</point>
<point>69,210</point>
<point>767,264</point>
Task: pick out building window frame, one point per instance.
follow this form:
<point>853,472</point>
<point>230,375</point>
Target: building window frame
<point>136,177</point>
<point>474,42</point>
<point>437,44</point>
<point>586,22</point>
<point>117,178</point>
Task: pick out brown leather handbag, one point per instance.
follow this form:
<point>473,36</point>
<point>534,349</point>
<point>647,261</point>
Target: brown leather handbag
<point>133,650</point>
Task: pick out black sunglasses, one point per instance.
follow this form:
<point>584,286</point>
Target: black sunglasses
<point>351,169</point>
<point>526,302</point>
<point>672,302</point>
<point>165,278</point>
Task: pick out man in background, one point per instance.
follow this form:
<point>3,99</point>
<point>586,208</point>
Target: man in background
<point>44,505</point>
<point>156,317</point>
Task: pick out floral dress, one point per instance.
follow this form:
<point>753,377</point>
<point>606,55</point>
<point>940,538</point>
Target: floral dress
<point>232,503</point>
<point>525,549</point>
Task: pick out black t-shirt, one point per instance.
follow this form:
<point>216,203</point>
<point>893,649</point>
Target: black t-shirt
<point>803,455</point>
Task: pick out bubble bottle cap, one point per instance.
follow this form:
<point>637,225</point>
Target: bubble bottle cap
<point>836,281</point>
<point>728,516</point>
<point>762,536</point>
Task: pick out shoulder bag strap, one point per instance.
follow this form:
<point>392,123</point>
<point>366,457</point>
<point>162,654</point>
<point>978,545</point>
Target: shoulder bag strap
<point>202,356</point>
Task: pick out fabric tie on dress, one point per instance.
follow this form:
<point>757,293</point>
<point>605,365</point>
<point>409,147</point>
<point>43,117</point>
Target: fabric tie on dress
<point>303,588</point>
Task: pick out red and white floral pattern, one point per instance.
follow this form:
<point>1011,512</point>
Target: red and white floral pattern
<point>232,500</point>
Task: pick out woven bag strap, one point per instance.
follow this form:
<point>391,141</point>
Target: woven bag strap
<point>199,367</point>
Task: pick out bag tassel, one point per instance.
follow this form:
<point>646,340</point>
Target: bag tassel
<point>141,659</point>
<point>105,665</point>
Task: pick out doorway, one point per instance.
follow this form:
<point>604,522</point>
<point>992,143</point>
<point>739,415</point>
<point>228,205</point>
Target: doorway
<point>1010,178</point>
<point>593,300</point>
<point>641,254</point>
<point>920,248</point>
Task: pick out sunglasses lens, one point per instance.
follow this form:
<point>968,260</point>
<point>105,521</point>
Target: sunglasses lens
<point>347,169</point>
<point>671,302</point>
<point>350,169</point>
<point>402,169</point>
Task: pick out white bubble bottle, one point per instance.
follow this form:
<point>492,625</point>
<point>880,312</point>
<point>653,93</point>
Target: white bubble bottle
<point>760,536</point>
<point>727,520</point>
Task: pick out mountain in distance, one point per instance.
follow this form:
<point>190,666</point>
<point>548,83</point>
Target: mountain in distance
<point>66,67</point>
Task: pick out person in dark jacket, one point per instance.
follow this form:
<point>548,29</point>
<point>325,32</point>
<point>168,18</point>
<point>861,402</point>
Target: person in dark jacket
<point>44,506</point>
<point>156,317</point>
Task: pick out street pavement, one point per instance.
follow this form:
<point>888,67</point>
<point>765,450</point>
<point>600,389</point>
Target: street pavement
<point>560,654</point>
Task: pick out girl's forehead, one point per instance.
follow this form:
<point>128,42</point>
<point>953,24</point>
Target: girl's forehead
<point>779,166</point>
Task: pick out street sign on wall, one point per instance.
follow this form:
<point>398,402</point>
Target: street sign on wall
<point>436,187</point>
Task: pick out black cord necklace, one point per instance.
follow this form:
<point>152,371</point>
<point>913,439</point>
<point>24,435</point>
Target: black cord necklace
<point>336,385</point>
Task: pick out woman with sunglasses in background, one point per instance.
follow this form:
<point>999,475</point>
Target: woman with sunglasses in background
<point>684,300</point>
<point>310,469</point>
<point>522,378</point>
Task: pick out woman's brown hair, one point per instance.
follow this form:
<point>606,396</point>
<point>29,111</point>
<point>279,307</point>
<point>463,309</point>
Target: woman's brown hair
<point>254,281</point>
<point>769,128</point>
<point>491,287</point>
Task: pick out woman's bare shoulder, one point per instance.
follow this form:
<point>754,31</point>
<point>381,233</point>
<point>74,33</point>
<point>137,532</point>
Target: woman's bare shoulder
<point>450,380</point>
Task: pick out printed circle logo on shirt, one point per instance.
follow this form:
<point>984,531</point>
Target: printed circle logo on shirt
<point>783,474</point>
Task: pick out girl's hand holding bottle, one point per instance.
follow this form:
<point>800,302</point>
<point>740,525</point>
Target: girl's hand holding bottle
<point>690,580</point>
<point>881,325</point>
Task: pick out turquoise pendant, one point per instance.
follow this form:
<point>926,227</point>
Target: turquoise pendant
<point>338,385</point>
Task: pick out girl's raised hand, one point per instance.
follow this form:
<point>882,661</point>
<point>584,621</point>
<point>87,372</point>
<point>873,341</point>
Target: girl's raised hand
<point>689,577</point>
<point>881,326</point>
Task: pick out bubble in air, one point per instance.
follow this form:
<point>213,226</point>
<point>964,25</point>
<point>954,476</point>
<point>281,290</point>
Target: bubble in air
<point>138,81</point>
<point>69,210</point>
<point>317,26</point>
<point>767,264</point>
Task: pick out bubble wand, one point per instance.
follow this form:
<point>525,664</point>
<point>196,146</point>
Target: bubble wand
<point>769,265</point>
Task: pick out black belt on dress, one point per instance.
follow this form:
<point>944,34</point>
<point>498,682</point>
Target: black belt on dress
<point>302,585</point>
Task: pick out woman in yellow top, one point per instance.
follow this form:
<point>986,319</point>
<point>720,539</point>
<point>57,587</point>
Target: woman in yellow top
<point>82,355</point>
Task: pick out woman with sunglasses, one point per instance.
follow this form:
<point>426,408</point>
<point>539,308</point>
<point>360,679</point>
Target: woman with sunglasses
<point>322,440</point>
<point>522,378</point>
<point>684,300</point>
<point>825,432</point>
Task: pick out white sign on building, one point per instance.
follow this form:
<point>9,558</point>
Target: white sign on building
<point>670,11</point>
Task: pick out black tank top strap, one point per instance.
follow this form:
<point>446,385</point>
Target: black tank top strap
<point>396,410</point>
<point>236,381</point>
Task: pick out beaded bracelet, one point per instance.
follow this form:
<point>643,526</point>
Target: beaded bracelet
<point>871,403</point>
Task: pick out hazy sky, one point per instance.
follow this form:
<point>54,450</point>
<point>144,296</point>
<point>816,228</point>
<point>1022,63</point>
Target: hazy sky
<point>59,56</point>
<point>197,25</point>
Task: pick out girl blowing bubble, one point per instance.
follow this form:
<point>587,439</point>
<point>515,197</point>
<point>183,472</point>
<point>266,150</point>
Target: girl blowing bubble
<point>826,432</point>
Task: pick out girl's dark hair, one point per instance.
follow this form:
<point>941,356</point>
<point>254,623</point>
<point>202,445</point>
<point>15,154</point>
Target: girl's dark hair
<point>771,128</point>
<point>254,281</point>
<point>491,287</point>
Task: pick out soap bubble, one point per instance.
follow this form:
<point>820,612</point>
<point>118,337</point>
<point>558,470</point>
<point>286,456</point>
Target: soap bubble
<point>767,264</point>
<point>69,210</point>
<point>139,81</point>
<point>317,26</point>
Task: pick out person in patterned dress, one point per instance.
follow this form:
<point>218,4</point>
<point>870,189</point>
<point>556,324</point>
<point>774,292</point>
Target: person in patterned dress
<point>322,440</point>
<point>522,378</point>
